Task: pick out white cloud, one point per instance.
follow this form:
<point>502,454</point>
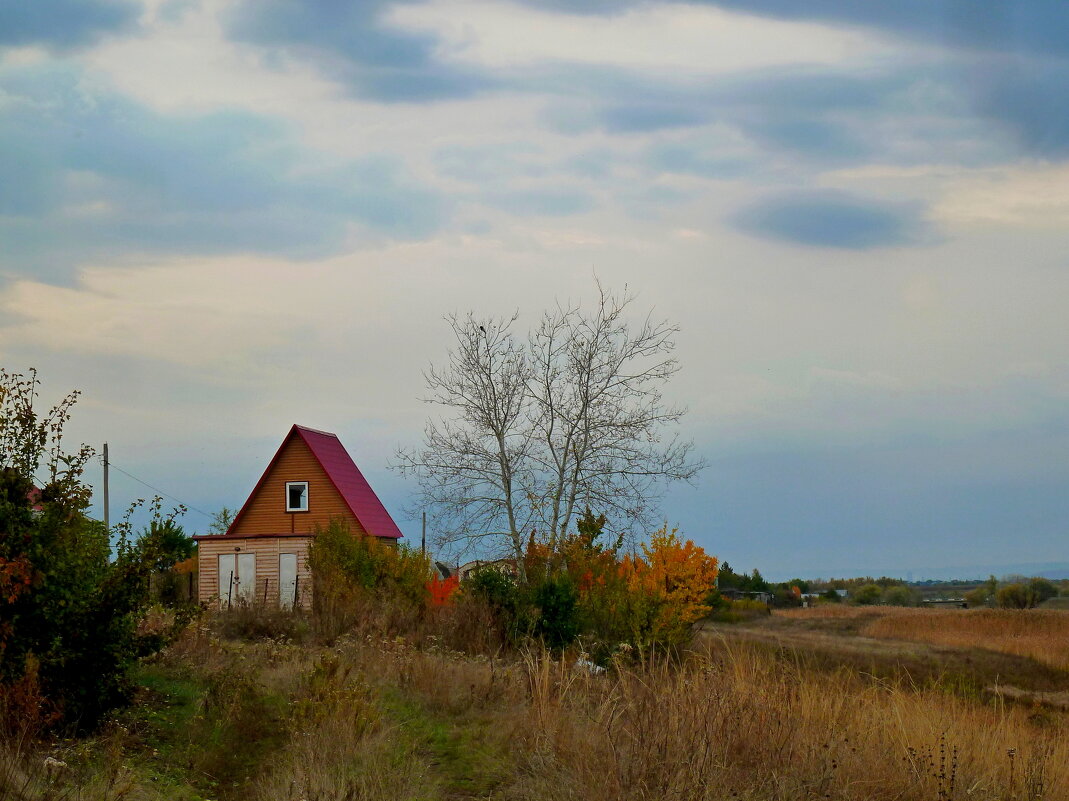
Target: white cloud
<point>187,65</point>
<point>1023,197</point>
<point>680,39</point>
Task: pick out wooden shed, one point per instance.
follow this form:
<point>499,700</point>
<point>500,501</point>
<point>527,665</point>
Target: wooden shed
<point>262,556</point>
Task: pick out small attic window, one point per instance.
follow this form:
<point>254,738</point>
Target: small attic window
<point>296,496</point>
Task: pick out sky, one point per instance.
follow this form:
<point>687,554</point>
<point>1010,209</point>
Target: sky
<point>221,217</point>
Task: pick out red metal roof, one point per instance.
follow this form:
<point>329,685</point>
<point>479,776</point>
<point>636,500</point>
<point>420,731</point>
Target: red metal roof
<point>350,482</point>
<point>343,474</point>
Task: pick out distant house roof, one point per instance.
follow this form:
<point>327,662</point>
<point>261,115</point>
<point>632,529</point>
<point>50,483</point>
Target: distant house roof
<point>344,475</point>
<point>501,565</point>
<point>33,497</point>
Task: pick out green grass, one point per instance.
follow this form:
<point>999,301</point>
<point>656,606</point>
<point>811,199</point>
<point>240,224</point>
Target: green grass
<point>158,726</point>
<point>465,752</point>
<point>195,737</point>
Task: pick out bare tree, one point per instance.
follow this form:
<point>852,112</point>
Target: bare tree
<point>537,430</point>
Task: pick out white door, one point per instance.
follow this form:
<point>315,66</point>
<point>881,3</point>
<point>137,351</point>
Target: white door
<point>287,579</point>
<point>227,589</point>
<point>245,588</point>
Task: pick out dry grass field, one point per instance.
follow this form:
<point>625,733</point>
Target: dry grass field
<point>1040,634</point>
<point>960,650</point>
<point>739,717</point>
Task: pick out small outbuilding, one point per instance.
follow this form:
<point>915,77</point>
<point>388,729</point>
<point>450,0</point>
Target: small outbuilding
<point>262,557</point>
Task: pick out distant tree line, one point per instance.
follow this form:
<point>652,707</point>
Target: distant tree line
<point>1011,592</point>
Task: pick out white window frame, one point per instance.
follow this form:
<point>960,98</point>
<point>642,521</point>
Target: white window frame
<point>304,495</point>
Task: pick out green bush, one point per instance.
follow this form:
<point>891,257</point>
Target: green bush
<point>716,602</point>
<point>900,595</point>
<point>69,607</point>
<point>784,596</point>
<point>1025,596</point>
<point>495,587</point>
<point>868,595</point>
<point>832,595</point>
<point>1014,596</point>
<point>978,596</point>
<point>547,608</point>
<point>501,601</point>
<point>364,562</point>
<point>361,582</point>
<point>555,614</point>
<point>174,544</point>
<point>1041,590</point>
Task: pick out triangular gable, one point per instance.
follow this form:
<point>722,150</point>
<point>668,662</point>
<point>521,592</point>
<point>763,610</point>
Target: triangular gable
<point>342,473</point>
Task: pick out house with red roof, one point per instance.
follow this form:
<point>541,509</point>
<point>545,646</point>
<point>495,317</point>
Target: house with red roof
<point>262,556</point>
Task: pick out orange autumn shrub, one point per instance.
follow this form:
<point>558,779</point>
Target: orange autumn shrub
<point>670,583</point>
<point>583,592</point>
<point>643,600</point>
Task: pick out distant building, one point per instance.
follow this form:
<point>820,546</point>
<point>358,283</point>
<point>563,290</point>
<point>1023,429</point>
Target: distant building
<point>743,595</point>
<point>33,497</point>
<point>262,557</point>
<point>507,566</point>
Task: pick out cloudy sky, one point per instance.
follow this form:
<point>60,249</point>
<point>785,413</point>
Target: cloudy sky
<point>220,217</point>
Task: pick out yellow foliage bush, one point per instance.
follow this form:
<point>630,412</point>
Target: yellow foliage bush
<point>675,577</point>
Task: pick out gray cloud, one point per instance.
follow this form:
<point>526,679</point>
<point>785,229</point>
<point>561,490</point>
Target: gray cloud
<point>832,219</point>
<point>707,160</point>
<point>1036,25</point>
<point>1004,63</point>
<point>1030,98</point>
<point>87,171</point>
<point>63,23</point>
<point>347,42</point>
<point>1033,26</point>
<point>824,115</point>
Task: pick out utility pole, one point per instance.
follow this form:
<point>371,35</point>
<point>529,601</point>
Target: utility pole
<point>423,542</point>
<point>107,514</point>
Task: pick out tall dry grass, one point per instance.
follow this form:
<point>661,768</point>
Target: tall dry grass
<point>839,611</point>
<point>744,721</point>
<point>748,724</point>
<point>1040,634</point>
<point>376,715</point>
<point>340,746</point>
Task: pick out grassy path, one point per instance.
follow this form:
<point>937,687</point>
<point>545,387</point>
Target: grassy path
<point>194,737</point>
<point>465,754</point>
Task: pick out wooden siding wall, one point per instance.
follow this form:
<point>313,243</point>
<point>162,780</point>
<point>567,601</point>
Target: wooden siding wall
<point>266,510</point>
<point>267,550</point>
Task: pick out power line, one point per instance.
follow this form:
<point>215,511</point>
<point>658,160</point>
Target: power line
<point>157,489</point>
